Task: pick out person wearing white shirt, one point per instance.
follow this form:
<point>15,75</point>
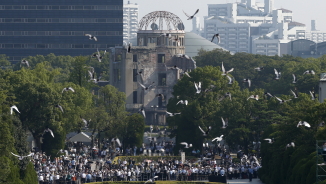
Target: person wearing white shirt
<point>83,177</point>
<point>40,178</point>
<point>230,172</point>
<point>128,175</point>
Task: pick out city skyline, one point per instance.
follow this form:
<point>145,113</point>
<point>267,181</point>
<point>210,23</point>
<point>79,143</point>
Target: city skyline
<point>315,6</point>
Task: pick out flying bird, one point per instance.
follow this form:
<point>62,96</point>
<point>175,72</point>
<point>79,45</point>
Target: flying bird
<point>312,94</point>
<point>160,95</point>
<point>91,71</point>
<point>140,72</point>
<point>230,79</point>
<point>12,109</point>
<point>185,102</point>
<point>281,101</point>
<point>218,138</point>
<point>142,111</point>
<point>270,141</point>
<point>225,123</point>
<point>117,141</point>
<point>98,56</point>
<point>227,94</point>
<point>60,107</point>
<point>175,39</point>
<point>185,73</point>
<point>294,79</point>
<point>85,122</point>
<point>186,144</point>
<point>205,133</point>
<point>294,94</point>
<point>268,94</point>
<point>260,68</point>
<point>24,62</point>
<point>290,145</point>
<point>256,97</point>
<point>91,37</point>
<point>152,179</point>
<point>198,87</point>
<point>172,114</point>
<point>68,89</point>
<point>309,72</point>
<point>205,145</point>
<point>49,130</point>
<point>192,16</point>
<point>144,87</point>
<point>21,157</point>
<point>226,72</point>
<point>303,123</point>
<point>247,80</point>
<point>278,74</point>
<point>217,36</point>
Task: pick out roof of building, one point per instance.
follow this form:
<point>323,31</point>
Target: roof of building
<point>81,137</point>
<point>285,10</point>
<point>194,43</point>
<point>293,23</point>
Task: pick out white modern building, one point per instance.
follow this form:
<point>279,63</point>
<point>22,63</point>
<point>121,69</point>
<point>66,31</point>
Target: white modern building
<point>130,21</point>
<point>314,34</point>
<point>322,87</point>
<point>252,27</point>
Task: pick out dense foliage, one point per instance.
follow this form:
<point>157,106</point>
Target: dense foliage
<point>38,93</point>
<point>251,121</point>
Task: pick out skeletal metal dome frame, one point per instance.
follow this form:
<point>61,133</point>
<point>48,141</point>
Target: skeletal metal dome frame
<point>172,21</point>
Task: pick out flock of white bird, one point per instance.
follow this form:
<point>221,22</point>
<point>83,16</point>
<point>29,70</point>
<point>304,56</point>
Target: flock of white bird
<point>255,97</point>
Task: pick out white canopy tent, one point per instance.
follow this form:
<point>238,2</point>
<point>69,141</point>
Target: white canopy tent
<point>81,137</point>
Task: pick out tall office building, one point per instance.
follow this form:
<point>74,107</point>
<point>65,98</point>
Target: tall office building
<point>130,21</point>
<point>32,27</point>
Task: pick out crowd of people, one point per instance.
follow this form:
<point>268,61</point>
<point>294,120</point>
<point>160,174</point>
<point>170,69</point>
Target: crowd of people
<point>83,164</point>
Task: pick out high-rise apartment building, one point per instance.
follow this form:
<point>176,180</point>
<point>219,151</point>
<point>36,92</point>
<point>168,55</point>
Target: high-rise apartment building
<point>130,21</point>
<point>252,27</point>
<point>32,27</point>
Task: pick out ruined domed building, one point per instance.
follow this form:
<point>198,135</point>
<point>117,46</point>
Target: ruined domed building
<point>153,66</point>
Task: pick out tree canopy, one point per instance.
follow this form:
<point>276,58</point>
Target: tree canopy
<point>38,92</point>
<point>250,121</point>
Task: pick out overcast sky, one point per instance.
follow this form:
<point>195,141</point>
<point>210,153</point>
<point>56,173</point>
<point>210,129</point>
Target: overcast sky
<point>303,10</point>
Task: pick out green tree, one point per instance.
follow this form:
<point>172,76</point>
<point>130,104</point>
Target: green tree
<point>134,130</point>
<point>37,97</point>
<point>109,113</point>
<point>201,108</point>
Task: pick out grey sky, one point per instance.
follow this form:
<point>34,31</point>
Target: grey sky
<point>303,10</point>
